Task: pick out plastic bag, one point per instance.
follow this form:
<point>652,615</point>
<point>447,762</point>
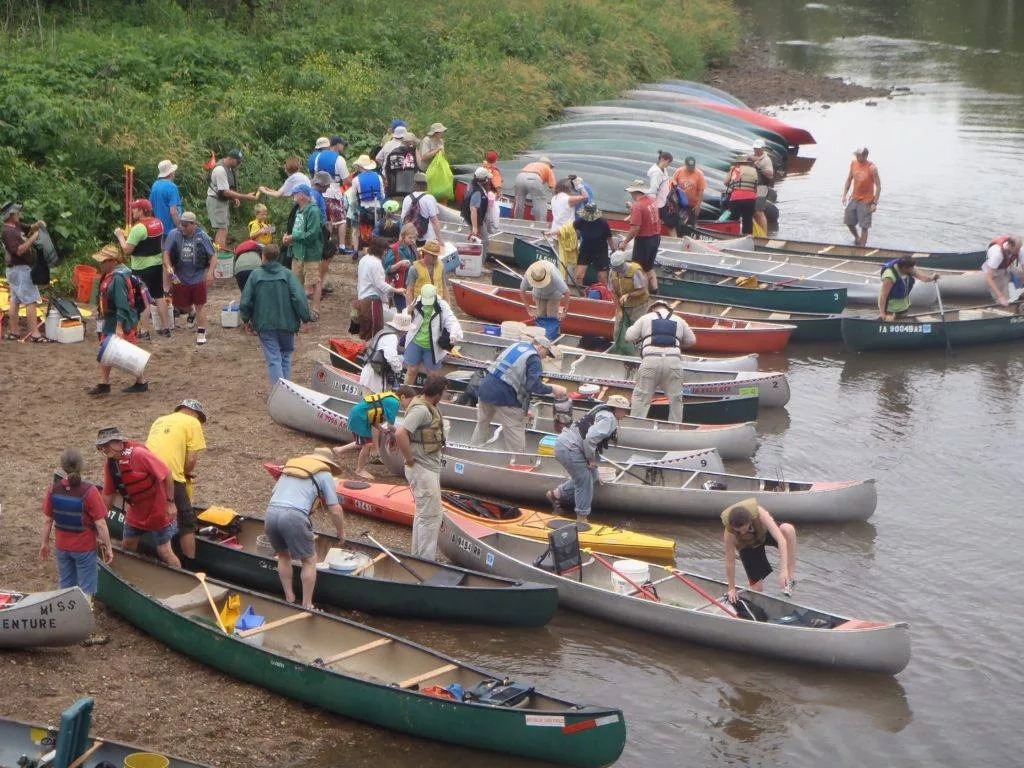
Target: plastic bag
<point>440,178</point>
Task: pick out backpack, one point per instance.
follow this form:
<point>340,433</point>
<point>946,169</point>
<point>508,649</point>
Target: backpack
<point>137,293</point>
<point>414,217</point>
<point>466,207</point>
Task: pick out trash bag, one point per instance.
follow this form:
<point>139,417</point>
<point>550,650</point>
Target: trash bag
<point>440,178</point>
<point>621,346</point>
<point>45,246</point>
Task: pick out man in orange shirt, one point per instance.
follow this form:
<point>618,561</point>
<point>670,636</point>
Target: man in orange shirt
<point>867,188</point>
<point>690,179</point>
<point>538,181</point>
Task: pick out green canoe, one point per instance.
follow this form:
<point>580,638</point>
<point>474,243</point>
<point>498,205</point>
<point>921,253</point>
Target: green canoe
<point>448,593</point>
<point>957,328</point>
<point>354,670</point>
<point>695,285</point>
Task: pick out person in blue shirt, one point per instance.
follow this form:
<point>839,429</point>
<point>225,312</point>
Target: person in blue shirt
<point>165,197</point>
<point>506,390</point>
<point>367,420</point>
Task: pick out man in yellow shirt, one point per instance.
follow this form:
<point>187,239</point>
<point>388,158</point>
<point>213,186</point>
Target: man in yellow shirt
<point>176,439</point>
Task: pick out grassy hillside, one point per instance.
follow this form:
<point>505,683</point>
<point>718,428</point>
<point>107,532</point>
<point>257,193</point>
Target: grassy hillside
<point>91,85</point>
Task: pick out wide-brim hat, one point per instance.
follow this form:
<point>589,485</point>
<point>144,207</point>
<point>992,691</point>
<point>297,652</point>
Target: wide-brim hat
<point>433,247</point>
<point>365,162</point>
<point>542,340</point>
<point>109,435</point>
<point>538,274</point>
<point>400,321</point>
<point>637,186</point>
<point>436,128</point>
<point>165,168</point>
<point>618,401</point>
<point>322,143</point>
<point>193,405</point>
<point>108,252</point>
<point>327,456</point>
<point>591,212</point>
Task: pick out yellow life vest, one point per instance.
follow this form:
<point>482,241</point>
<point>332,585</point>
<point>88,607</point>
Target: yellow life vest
<point>375,413</point>
<point>423,277</point>
<point>305,467</point>
<point>430,437</point>
<point>748,539</point>
<point>624,285</point>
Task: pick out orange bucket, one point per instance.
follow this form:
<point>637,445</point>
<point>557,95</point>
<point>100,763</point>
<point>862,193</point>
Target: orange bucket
<point>83,278</point>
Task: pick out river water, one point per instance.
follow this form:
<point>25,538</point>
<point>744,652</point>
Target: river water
<point>940,433</point>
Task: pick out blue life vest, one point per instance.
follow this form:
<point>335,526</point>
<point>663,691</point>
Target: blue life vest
<point>68,507</point>
<point>510,368</point>
<point>370,187</point>
<point>324,160</point>
<point>902,284</point>
<point>663,333</point>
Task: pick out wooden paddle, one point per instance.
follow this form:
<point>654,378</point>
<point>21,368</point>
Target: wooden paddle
<point>389,553</point>
<point>216,614</point>
<point>370,564</point>
<point>92,750</point>
<point>638,587</point>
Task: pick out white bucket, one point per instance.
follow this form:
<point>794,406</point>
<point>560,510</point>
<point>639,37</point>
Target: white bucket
<point>263,545</point>
<point>345,561</point>
<point>225,264</point>
<point>229,316</point>
<point>118,353</point>
<point>512,329</point>
<point>637,571</point>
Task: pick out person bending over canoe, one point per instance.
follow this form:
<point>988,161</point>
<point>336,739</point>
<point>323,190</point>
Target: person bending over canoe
<point>749,528</point>
<point>550,292</point>
<point>507,387</point>
<point>1001,266</point>
<point>578,449</point>
<point>304,481</point>
<point>898,276</point>
<point>368,418</point>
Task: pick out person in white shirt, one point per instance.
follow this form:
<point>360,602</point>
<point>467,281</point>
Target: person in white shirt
<point>661,337</point>
<point>384,363</point>
<point>563,205</point>
<point>372,289</point>
<point>295,178</point>
<point>1002,264</point>
<point>659,179</point>
<point>550,292</point>
<point>428,216</point>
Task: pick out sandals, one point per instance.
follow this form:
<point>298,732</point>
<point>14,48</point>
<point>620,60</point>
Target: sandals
<point>11,337</point>
<point>366,476</point>
<point>41,340</point>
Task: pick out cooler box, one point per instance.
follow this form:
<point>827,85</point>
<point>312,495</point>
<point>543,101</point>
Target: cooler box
<point>70,331</point>
<point>450,258</point>
<point>471,260</point>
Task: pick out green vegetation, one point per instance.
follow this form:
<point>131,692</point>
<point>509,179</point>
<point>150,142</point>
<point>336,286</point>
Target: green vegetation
<point>91,85</point>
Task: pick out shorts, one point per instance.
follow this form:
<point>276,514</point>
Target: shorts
<point>19,280</point>
<point>219,212</point>
<point>755,561</point>
<point>186,514</point>
<point>858,214</point>
<point>362,439</point>
<point>290,530</point>
<point>760,202</point>
<point>161,536</point>
<point>417,355</point>
<point>241,278</point>
<point>184,295</point>
<point>153,279</point>
<point>601,263</point>
<point>645,250</point>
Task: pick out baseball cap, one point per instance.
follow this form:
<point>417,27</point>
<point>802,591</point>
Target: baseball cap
<point>428,295</point>
<point>491,156</point>
<point>860,151</point>
<point>188,218</point>
<point>482,173</point>
<point>336,140</point>
<point>758,143</point>
<point>142,204</point>
<point>400,132</point>
<point>303,189</point>
<point>618,259</point>
<point>544,341</point>
<point>236,153</point>
<point>396,122</point>
<point>391,206</point>
<point>690,162</point>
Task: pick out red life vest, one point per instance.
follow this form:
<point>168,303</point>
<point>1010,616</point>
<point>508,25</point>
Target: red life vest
<point>1008,259</point>
<point>133,485</point>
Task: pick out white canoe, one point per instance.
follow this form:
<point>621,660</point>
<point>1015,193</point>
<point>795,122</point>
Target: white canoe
<point>659,489</point>
<point>791,632</point>
<point>36,619</point>
<point>733,441</point>
<point>620,370</point>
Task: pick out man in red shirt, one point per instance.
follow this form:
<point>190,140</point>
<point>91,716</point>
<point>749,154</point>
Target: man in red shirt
<point>644,231</point>
<point>147,489</point>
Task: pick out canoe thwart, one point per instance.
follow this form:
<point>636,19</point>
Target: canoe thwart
<point>409,683</point>
<point>272,625</point>
<point>379,642</point>
<point>92,750</point>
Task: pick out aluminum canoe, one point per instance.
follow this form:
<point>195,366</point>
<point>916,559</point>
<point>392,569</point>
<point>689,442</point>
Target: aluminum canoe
<point>792,632</point>
<point>733,441</point>
<point>41,619</point>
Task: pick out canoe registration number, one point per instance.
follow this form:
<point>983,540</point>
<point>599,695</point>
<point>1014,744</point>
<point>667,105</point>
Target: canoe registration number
<point>466,545</point>
<point>911,328</point>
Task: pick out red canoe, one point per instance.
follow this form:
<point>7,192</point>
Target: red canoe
<point>591,317</point>
<point>793,135</point>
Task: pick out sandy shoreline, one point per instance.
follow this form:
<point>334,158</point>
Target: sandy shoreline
<point>145,693</point>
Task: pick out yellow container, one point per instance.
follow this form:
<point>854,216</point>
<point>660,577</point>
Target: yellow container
<point>547,445</point>
<point>146,760</point>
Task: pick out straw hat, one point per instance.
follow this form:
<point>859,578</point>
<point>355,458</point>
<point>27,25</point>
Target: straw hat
<point>109,252</point>
<point>326,455</point>
<point>538,274</point>
<point>618,401</point>
<point>433,248</point>
<point>365,162</point>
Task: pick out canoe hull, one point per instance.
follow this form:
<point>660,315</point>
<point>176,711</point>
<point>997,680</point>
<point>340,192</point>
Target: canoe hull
<point>875,335</point>
<point>44,619</point>
<point>810,300</point>
<point>292,407</point>
<point>498,729</point>
<point>883,649</point>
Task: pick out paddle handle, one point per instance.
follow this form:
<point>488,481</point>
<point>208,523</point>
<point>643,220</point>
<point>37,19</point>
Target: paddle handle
<point>392,555</point>
<point>80,760</point>
<point>370,564</point>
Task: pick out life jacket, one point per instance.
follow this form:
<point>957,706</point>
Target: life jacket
<point>467,210</point>
<point>134,287</point>
<point>624,285</point>
<point>69,506</point>
<point>584,425</point>
<point>375,413</point>
<point>305,467</point>
<point>663,333</point>
<point>424,278</point>
<point>430,437</point>
<point>397,278</point>
<point>325,160</point>
<point>1008,260</point>
<point>749,539</point>
<point>901,284</point>
<point>510,368</point>
<point>153,243</point>
<point>134,485</point>
<point>746,178</point>
<point>371,193</point>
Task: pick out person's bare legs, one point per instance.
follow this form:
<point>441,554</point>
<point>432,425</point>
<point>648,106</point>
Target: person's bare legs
<point>220,239</point>
<point>284,573</point>
<point>166,555</point>
<point>789,532</point>
<point>308,580</point>
<point>187,542</point>
<point>862,240</point>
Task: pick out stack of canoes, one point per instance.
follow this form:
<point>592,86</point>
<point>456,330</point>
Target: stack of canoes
<point>733,441</point>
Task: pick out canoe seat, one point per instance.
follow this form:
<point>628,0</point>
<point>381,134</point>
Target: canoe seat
<point>442,670</point>
<point>186,601</point>
<point>778,316</point>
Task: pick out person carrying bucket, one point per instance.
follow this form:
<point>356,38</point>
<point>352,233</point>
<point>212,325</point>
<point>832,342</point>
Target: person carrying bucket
<point>118,306</point>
